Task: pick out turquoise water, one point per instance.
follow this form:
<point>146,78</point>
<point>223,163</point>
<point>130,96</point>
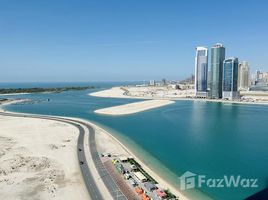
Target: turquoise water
<point>212,139</point>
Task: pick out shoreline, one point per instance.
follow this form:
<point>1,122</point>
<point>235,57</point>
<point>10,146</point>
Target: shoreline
<point>14,94</point>
<point>162,181</point>
<point>12,101</point>
<point>119,92</point>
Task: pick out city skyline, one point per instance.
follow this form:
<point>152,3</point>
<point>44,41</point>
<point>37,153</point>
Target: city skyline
<point>120,41</point>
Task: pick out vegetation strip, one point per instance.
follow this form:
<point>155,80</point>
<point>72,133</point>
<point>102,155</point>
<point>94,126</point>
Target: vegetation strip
<point>37,90</point>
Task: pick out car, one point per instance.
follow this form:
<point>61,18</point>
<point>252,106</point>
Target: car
<point>132,182</point>
<point>127,176</point>
<point>81,162</point>
<point>106,155</point>
<point>133,167</point>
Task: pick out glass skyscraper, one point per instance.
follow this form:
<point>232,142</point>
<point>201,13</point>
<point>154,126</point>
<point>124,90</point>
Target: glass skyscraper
<point>217,58</point>
<point>230,78</point>
<point>201,71</point>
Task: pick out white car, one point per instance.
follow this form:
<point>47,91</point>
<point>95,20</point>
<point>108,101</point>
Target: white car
<point>133,182</point>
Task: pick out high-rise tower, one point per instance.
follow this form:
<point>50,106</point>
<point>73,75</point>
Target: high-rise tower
<point>217,58</point>
<point>243,74</point>
<point>230,79</point>
<point>201,72</point>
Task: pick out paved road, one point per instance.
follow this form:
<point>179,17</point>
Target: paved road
<point>93,190</point>
<point>104,174</point>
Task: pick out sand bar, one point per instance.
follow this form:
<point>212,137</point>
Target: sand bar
<point>131,108</point>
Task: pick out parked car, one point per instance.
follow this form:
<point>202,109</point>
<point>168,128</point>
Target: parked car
<point>127,176</point>
<point>106,155</point>
<point>133,182</point>
<point>133,167</point>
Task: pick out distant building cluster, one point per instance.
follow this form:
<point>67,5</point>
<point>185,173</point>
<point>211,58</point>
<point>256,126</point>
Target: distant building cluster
<point>259,78</point>
<point>223,78</point>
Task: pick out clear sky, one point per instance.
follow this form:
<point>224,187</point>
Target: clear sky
<point>117,40</point>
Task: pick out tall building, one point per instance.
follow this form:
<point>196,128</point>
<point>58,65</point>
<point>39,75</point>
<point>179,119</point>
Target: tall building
<point>164,81</point>
<point>261,78</point>
<point>230,79</point>
<point>152,83</point>
<point>217,58</point>
<point>201,72</point>
<point>258,73</point>
<point>243,75</point>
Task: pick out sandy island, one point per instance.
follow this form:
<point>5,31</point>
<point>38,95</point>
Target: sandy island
<point>131,108</point>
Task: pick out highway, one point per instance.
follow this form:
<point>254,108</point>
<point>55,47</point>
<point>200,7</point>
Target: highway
<point>104,174</point>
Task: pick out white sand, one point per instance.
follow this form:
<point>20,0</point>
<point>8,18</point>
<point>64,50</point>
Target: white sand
<point>106,143</point>
<point>12,94</point>
<point>147,92</point>
<point>38,160</point>
<point>13,101</point>
<point>115,92</point>
<point>131,108</point>
<point>45,164</point>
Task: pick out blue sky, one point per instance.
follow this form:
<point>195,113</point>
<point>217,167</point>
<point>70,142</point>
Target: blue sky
<point>117,40</point>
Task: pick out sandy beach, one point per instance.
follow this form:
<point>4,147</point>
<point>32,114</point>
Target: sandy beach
<point>12,94</point>
<point>115,92</point>
<point>131,108</point>
<point>249,97</point>
<point>12,101</point>
<point>145,92</point>
<point>39,160</point>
